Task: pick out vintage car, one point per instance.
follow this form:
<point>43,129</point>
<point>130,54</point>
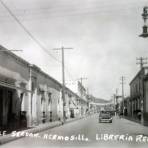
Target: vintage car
<point>105,117</point>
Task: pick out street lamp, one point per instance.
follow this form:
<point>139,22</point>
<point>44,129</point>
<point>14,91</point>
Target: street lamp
<point>145,27</point>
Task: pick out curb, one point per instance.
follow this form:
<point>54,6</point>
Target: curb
<point>72,120</point>
<point>40,128</point>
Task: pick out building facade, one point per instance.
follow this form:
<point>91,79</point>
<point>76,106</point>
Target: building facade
<point>45,100</point>
<point>137,104</point>
<point>29,96</point>
<point>14,88</point>
<point>81,92</point>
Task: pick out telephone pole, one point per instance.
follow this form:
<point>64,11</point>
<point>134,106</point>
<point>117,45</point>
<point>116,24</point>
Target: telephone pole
<point>116,96</point>
<point>122,84</point>
<point>141,61</point>
<point>63,80</point>
<point>116,102</point>
<point>81,79</point>
<point>81,92</point>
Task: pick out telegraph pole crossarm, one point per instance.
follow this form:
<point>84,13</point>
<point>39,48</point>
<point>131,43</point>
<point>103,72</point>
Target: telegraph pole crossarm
<point>141,61</point>
<point>81,80</point>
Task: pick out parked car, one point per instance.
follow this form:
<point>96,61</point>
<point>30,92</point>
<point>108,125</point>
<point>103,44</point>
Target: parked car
<point>105,117</point>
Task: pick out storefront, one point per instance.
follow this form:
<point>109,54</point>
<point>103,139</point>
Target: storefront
<point>11,97</point>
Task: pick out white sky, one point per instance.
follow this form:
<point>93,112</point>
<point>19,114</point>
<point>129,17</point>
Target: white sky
<point>103,33</point>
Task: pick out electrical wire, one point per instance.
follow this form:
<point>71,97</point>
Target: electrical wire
<point>68,11</point>
<point>30,34</point>
<point>103,8</point>
<point>27,31</point>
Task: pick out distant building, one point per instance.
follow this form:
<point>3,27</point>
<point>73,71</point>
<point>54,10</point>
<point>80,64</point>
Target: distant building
<point>73,107</point>
<point>124,107</point>
<point>45,99</point>
<point>97,104</point>
<point>80,90</point>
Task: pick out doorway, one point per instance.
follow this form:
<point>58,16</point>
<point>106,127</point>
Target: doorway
<point>1,109</point>
<point>10,103</point>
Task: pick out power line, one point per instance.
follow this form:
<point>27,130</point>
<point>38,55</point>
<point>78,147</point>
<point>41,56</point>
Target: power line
<point>80,10</point>
<point>92,5</point>
<point>89,10</point>
<point>27,31</point>
<point>78,5</point>
<point>1,50</point>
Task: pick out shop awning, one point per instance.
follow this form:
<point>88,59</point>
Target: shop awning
<point>4,72</point>
<point>4,84</point>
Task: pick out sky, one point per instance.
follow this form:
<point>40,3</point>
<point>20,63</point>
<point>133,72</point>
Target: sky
<point>104,35</point>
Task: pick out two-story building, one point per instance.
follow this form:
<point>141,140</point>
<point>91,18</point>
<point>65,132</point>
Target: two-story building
<point>138,102</point>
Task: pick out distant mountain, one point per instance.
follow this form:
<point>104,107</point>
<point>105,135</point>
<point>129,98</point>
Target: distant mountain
<point>99,100</point>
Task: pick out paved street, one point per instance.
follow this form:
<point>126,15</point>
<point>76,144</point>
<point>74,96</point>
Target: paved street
<point>86,132</point>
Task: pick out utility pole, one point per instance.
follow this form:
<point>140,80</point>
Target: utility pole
<point>141,61</point>
<point>87,91</point>
<point>122,84</point>
<point>114,100</point>
<point>63,80</point>
<point>81,79</point>
<point>81,89</point>
<point>116,97</point>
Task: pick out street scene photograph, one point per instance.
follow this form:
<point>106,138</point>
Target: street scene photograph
<point>73,73</point>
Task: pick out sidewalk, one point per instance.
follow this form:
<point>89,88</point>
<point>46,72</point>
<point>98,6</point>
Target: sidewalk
<point>7,138</point>
<point>138,128</point>
<point>131,119</point>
